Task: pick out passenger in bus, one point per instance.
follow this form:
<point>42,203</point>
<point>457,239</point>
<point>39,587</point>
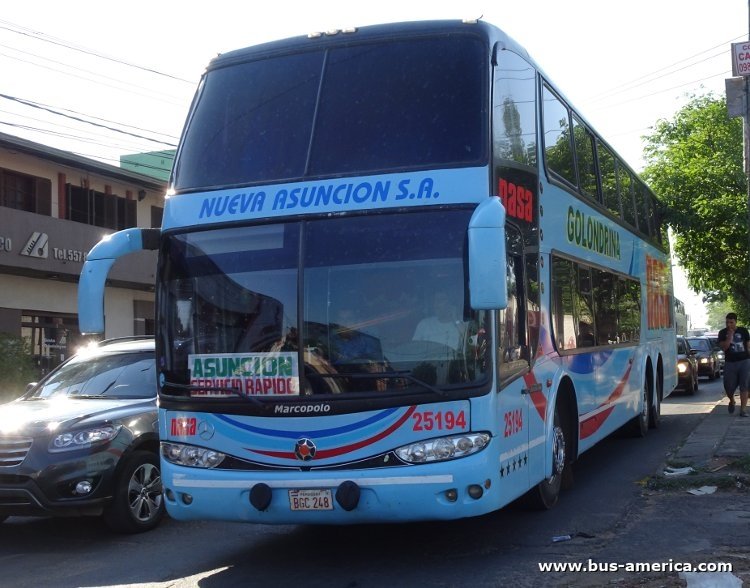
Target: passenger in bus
<point>443,326</point>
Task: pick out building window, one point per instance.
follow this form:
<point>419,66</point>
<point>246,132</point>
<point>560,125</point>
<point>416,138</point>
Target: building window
<point>53,338</point>
<point>25,192</point>
<point>97,208</point>
<point>157,213</point>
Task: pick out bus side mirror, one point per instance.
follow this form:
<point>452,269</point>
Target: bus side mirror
<point>487,262</point>
<point>98,262</point>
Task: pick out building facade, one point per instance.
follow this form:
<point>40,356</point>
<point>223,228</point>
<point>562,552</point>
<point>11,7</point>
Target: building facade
<point>54,207</point>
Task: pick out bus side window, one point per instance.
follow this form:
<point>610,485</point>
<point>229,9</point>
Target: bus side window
<point>584,308</point>
<point>609,179</point>
<point>558,147</point>
<point>513,357</point>
<point>625,179</point>
<point>514,105</point>
<point>563,314</point>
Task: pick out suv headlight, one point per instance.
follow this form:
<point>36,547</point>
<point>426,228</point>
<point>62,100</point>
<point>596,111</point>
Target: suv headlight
<point>83,439</point>
<point>190,455</point>
<point>443,448</point>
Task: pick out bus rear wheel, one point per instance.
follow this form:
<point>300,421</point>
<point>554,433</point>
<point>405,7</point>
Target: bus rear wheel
<point>655,414</point>
<point>639,425</point>
<point>546,494</point>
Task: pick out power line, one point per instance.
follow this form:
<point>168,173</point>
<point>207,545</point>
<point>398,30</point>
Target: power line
<point>79,119</point>
<point>20,30</point>
<point>97,77</point>
<point>625,85</point>
<point>724,73</point>
<point>97,156</point>
<point>124,87</point>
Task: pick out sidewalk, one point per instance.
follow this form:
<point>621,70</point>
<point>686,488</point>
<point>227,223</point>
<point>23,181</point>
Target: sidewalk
<point>719,435</point>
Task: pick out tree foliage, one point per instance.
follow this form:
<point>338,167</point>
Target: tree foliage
<point>717,312</point>
<point>695,165</point>
<point>16,366</point>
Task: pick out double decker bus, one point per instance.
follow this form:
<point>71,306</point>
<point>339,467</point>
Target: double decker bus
<point>400,278</point>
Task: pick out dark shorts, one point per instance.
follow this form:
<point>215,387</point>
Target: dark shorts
<point>736,375</point>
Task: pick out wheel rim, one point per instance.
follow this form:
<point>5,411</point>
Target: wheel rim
<point>144,493</point>
<point>644,406</point>
<point>558,452</point>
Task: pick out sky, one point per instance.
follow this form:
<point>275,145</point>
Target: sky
<point>123,74</point>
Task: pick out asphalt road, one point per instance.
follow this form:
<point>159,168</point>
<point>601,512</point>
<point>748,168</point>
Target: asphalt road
<point>603,512</point>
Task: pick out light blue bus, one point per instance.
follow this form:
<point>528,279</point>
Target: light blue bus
<point>400,278</point>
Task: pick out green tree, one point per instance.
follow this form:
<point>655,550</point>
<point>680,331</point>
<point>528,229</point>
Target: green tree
<point>695,166</point>
<point>16,366</point>
<point>717,312</point>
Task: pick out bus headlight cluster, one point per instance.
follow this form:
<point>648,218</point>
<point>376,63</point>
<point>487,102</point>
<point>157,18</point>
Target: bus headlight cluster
<point>85,438</point>
<point>443,448</point>
<point>190,455</point>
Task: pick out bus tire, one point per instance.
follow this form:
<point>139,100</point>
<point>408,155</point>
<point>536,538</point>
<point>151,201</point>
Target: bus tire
<point>137,502</point>
<point>655,415</point>
<point>546,494</point>
<point>639,425</point>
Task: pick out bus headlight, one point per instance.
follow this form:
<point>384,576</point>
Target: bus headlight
<point>190,455</point>
<point>443,448</point>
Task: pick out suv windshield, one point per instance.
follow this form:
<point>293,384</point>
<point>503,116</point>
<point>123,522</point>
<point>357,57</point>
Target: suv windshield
<point>110,375</point>
<point>396,105</point>
<point>364,304</point>
<point>700,344</point>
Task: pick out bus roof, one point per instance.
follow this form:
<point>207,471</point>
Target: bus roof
<point>372,32</point>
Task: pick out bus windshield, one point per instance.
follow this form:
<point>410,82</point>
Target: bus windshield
<point>408,104</point>
<point>378,304</point>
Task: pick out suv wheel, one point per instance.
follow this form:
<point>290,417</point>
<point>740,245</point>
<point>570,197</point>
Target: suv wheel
<point>137,503</point>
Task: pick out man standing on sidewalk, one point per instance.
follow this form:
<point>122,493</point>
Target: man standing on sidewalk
<point>735,342</point>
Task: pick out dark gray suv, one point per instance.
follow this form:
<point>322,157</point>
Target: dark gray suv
<point>84,440</point>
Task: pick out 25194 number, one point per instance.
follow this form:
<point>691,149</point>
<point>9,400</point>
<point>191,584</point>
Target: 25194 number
<point>513,422</point>
<point>439,420</point>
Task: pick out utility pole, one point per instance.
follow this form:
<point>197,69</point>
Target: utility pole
<point>746,141</point>
<point>738,104</point>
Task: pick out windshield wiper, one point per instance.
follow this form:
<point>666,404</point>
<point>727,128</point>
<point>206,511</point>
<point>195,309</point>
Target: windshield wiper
<point>100,395</point>
<point>404,375</point>
<point>233,391</point>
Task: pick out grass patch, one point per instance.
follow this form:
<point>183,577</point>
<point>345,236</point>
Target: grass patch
<point>742,465</point>
<point>722,482</point>
<point>677,464</point>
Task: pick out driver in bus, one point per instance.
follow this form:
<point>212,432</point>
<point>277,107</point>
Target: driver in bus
<point>443,326</point>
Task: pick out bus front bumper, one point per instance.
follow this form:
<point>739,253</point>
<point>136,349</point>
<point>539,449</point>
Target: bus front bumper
<point>434,492</point>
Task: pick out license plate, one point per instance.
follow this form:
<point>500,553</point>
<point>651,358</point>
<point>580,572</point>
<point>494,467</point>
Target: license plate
<point>310,499</point>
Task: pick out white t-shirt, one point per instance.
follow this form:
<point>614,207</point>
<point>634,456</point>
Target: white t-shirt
<point>449,333</point>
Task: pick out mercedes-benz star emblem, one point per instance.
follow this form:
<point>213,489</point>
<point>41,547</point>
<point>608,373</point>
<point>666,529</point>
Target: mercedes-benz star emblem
<point>205,430</point>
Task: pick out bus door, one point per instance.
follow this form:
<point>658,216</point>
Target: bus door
<point>513,373</point>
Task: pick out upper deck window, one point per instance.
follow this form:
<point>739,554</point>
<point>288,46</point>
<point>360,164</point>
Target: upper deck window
<point>370,108</point>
